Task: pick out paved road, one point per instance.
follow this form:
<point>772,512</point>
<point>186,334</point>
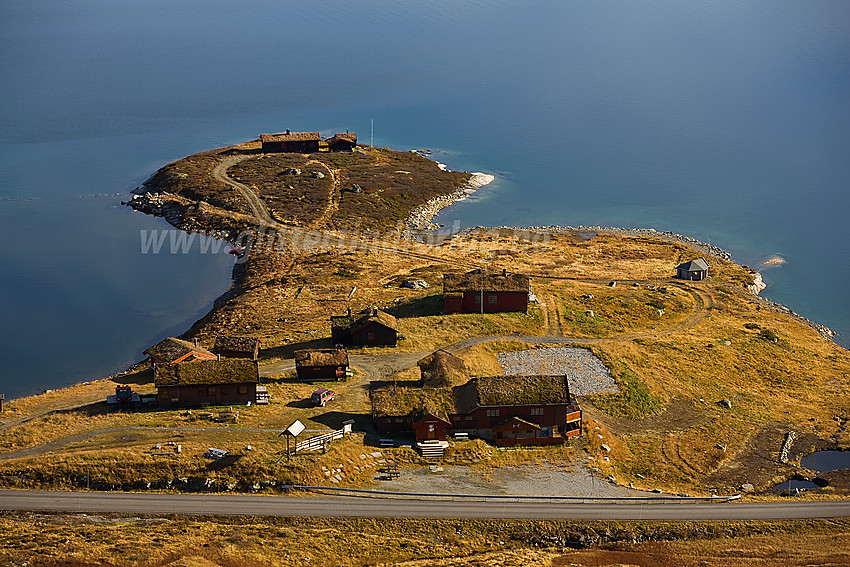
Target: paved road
<point>336,506</point>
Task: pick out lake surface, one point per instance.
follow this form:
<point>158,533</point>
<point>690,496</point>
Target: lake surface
<point>725,120</point>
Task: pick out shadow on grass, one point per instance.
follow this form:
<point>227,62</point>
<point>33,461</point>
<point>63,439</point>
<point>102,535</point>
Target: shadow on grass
<point>301,404</point>
<point>421,307</point>
<point>335,419</point>
<point>223,463</point>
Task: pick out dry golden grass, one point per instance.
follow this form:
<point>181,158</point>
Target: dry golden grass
<point>682,355</point>
<point>124,541</point>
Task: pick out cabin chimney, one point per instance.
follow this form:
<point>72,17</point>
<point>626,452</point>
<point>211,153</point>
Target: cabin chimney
<point>287,131</point>
<point>504,271</point>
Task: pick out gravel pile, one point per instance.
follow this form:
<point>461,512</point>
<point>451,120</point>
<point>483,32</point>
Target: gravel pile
<point>585,372</point>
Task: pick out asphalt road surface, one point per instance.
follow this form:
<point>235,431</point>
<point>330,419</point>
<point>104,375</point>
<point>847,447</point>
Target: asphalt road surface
<point>370,507</point>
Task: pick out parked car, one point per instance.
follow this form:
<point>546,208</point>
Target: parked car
<point>321,396</point>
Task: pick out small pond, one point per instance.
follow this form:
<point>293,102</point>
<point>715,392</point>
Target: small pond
<point>825,461</point>
<point>793,484</point>
<point>820,461</point>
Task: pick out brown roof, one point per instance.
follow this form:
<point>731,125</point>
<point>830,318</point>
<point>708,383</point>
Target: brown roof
<point>511,390</point>
<point>228,371</point>
<point>290,137</point>
<point>348,136</point>
<point>474,280</point>
<point>321,357</point>
<point>171,349</point>
<point>441,368</point>
<point>375,316</point>
<point>392,401</point>
<point>246,344</point>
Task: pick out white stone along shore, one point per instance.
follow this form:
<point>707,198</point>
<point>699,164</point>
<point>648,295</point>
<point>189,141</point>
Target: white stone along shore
<point>422,216</point>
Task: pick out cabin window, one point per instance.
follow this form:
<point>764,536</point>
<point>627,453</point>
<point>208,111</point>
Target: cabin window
<point>492,413</point>
<point>492,299</point>
<point>243,389</point>
<point>536,411</point>
<point>399,420</point>
<point>468,418</point>
<point>477,299</point>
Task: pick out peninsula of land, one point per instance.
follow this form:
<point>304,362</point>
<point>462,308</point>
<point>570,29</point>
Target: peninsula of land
<point>707,388</point>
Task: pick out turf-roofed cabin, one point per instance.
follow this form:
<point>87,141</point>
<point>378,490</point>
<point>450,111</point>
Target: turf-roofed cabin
<point>173,350</point>
<point>207,382</point>
<point>237,347</point>
<point>506,410</point>
<point>480,292</point>
<point>517,410</point>
<point>342,142</point>
<point>373,328</point>
<point>422,410</point>
<point>321,365</point>
<point>291,142</point>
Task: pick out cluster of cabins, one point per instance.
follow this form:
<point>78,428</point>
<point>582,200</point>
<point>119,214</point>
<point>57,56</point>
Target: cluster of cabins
<point>507,410</point>
<point>306,142</point>
<point>186,374</point>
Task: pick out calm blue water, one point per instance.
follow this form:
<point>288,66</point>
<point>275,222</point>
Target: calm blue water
<point>725,120</point>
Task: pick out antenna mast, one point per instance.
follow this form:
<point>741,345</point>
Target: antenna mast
<point>372,137</point>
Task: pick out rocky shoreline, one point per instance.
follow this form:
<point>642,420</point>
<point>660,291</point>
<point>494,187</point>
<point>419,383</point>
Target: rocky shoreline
<point>181,215</point>
<point>422,217</point>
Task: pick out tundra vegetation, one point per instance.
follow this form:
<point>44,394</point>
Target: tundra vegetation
<point>675,349</point>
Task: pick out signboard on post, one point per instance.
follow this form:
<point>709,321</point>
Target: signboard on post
<point>293,430</point>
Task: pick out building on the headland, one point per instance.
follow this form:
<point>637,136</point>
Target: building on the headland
<point>480,292</point>
<point>517,410</point>
<point>209,382</point>
<point>173,350</point>
<point>372,328</point>
<point>342,142</point>
<point>321,365</point>
<point>291,142</point>
<point>505,410</point>
<point>693,270</point>
<point>237,347</point>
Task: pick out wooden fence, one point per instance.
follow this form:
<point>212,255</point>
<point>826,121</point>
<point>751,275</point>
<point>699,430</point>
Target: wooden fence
<point>321,441</point>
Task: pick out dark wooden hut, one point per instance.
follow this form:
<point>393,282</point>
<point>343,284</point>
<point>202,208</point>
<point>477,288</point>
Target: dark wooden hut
<point>321,364</point>
<point>291,142</point>
<point>207,382</point>
<point>237,347</point>
<point>372,328</point>
<point>480,292</point>
<point>342,142</point>
<point>694,270</point>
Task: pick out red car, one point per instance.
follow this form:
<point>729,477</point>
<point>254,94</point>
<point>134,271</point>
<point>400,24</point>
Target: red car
<point>321,396</point>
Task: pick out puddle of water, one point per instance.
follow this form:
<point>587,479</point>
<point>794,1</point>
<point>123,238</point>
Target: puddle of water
<point>790,485</point>
<point>825,461</point>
